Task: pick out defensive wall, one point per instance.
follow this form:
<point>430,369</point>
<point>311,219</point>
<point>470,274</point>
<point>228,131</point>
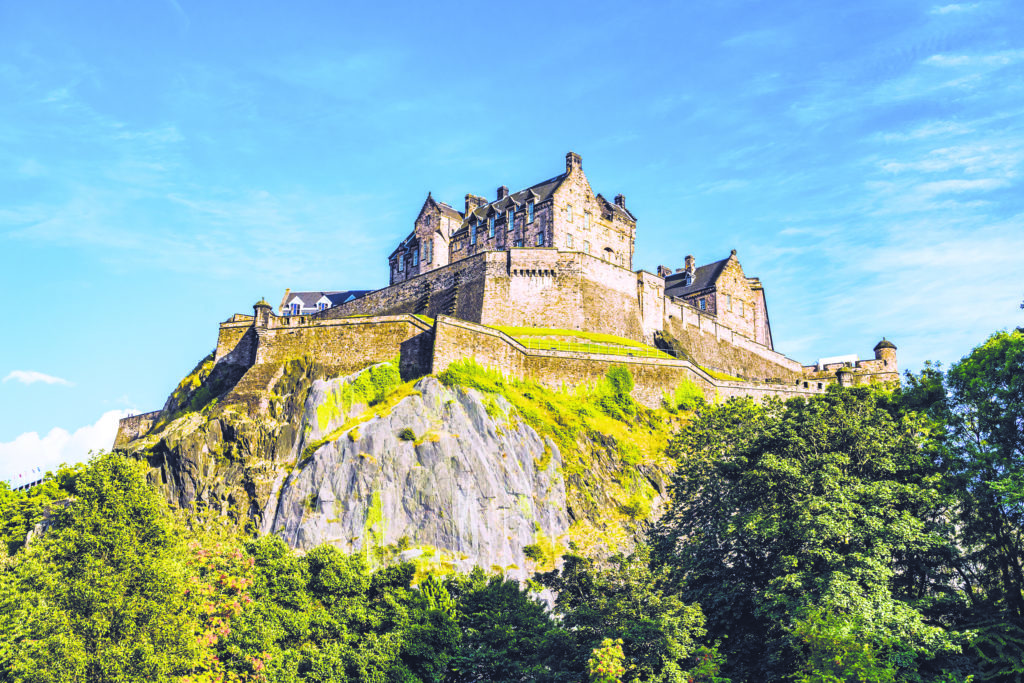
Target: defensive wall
<point>257,345</point>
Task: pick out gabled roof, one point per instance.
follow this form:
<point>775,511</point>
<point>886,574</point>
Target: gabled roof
<point>703,277</point>
<point>310,299</point>
<point>537,193</point>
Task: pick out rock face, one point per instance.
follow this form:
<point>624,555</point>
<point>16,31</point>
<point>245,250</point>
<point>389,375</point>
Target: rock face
<point>441,475</point>
<point>438,474</point>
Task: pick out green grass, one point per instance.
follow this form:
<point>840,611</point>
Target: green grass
<point>583,342</point>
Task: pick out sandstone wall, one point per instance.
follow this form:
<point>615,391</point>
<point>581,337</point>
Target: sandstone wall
<point>134,426</point>
<point>456,340</point>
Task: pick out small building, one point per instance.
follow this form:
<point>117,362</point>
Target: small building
<point>306,303</point>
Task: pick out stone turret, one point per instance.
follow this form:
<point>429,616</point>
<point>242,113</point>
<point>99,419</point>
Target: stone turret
<point>885,350</point>
<point>261,313</point>
<point>474,202</point>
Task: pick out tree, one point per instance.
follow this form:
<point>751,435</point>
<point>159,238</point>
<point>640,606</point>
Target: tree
<point>102,597</point>
<point>986,423</point>
<point>785,510</point>
<point>507,634</point>
<point>628,601</point>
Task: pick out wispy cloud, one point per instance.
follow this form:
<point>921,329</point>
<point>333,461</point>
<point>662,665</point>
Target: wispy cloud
<point>954,8</point>
<point>33,377</point>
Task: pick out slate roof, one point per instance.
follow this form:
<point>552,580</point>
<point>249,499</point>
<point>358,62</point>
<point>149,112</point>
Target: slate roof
<point>449,211</point>
<point>309,299</point>
<point>539,193</point>
<point>703,277</point>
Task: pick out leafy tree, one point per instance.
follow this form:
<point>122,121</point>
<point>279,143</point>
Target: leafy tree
<point>985,418</point>
<point>627,600</point>
<point>784,510</point>
<point>507,634</point>
<point>102,596</point>
<point>20,511</point>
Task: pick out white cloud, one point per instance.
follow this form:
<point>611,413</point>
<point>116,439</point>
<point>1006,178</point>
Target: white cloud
<point>29,450</point>
<point>31,377</point>
<point>955,7</point>
<point>998,59</point>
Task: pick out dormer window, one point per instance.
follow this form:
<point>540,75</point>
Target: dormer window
<point>323,306</point>
<point>687,279</point>
<point>529,211</point>
<point>293,309</point>
<point>490,224</point>
<point>510,219</point>
<point>416,257</point>
<point>401,262</point>
<point>472,233</point>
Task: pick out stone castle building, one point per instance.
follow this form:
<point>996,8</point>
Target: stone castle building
<point>555,256</point>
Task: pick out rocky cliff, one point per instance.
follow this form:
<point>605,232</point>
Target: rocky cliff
<point>450,472</point>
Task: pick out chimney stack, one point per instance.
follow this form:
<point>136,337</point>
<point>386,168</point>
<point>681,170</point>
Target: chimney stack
<point>502,191</point>
<point>474,202</point>
<point>690,266</point>
<point>620,200</point>
<point>573,161</point>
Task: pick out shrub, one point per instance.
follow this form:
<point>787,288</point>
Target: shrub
<point>407,434</point>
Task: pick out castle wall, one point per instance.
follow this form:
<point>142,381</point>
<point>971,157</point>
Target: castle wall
<point>134,426</point>
<point>573,200</point>
<point>520,287</point>
<point>228,338</point>
<point>715,346</point>
<point>347,345</point>
<point>654,378</point>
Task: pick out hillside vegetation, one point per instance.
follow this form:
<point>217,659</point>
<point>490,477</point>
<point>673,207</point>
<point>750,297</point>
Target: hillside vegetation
<point>861,535</point>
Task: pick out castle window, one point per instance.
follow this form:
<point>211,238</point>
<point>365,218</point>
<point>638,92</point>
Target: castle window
<point>741,309</point>
<point>416,257</point>
<point>728,302</point>
<point>322,306</point>
<point>490,225</point>
<point>293,309</point>
<point>586,247</point>
<point>529,212</point>
<point>401,263</point>
<point>586,220</point>
<point>568,241</point>
<point>540,239</point>
<point>702,304</point>
<point>510,220</point>
<point>568,212</point>
<point>472,231</point>
<point>517,243</point>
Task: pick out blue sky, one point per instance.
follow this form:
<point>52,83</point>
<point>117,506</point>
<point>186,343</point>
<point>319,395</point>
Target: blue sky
<point>165,164</point>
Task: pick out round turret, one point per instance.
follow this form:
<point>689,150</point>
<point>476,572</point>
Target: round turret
<point>845,376</point>
<point>885,350</point>
<point>261,313</point>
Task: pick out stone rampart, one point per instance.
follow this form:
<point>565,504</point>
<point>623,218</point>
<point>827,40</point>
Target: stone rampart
<point>134,426</point>
<point>347,344</point>
<point>654,378</point>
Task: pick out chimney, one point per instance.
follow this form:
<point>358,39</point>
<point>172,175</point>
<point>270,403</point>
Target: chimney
<point>502,191</point>
<point>690,266</point>
<point>664,271</point>
<point>573,161</point>
<point>620,200</point>
<point>474,202</point>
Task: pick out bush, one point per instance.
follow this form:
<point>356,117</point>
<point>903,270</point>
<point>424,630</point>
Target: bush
<point>407,434</point>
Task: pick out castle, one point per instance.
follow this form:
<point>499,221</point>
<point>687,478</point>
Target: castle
<point>540,283</point>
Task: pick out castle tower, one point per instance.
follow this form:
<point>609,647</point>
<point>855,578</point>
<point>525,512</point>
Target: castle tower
<point>261,313</point>
<point>885,350</point>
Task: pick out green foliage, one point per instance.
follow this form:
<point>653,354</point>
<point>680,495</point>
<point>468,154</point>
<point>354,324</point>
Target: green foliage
<point>103,596</point>
<point>406,434</point>
<point>781,509</point>
<point>20,511</point>
<point>614,392</point>
<point>369,387</point>
<point>605,663</point>
<point>628,599</point>
<point>687,396</point>
<point>838,652</point>
<point>507,635</point>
